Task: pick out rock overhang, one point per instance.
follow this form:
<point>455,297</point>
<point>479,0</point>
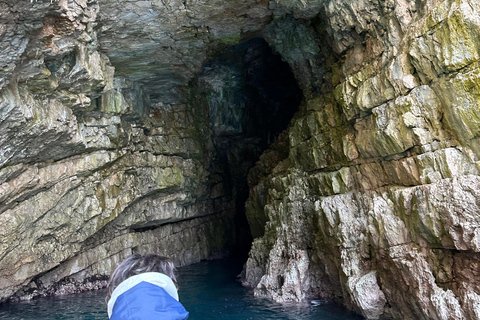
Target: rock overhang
<point>163,45</point>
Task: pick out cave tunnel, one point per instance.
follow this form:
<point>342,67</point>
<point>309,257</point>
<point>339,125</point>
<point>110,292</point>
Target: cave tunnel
<point>140,177</point>
<point>167,127</point>
<point>252,96</point>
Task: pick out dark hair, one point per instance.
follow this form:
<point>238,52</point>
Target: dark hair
<point>137,264</point>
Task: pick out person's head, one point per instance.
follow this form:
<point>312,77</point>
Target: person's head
<point>137,264</point>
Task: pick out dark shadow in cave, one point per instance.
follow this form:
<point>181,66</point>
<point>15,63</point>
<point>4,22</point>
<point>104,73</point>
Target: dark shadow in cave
<point>252,95</point>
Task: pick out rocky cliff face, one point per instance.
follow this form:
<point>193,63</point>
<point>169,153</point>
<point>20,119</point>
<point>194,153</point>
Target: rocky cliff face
<point>372,197</point>
<point>103,152</point>
<point>130,126</point>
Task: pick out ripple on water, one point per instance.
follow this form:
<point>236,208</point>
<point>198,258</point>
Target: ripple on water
<point>84,306</point>
<point>208,290</point>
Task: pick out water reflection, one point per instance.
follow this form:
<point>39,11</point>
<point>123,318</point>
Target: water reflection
<point>208,290</point>
<point>84,306</point>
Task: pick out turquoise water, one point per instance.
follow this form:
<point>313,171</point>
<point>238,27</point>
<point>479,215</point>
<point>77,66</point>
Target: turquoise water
<point>208,290</point>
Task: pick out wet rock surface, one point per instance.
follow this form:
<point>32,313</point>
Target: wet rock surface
<point>93,167</point>
<point>376,196</point>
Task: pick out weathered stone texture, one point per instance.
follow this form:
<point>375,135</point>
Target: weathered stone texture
<point>173,39</point>
<point>114,140</point>
<point>378,197</point>
<point>91,168</point>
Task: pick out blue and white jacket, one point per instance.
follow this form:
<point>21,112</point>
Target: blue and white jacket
<point>147,296</point>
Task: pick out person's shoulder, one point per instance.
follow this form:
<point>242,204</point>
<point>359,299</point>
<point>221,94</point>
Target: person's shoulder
<point>148,301</point>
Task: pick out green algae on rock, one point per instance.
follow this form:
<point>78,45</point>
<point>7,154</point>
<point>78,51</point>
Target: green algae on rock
<point>133,126</point>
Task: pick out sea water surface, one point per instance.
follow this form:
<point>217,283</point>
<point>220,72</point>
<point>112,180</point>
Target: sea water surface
<point>208,290</point>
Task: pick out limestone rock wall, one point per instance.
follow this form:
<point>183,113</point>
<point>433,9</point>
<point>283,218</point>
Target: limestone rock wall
<point>372,197</point>
<point>93,165</point>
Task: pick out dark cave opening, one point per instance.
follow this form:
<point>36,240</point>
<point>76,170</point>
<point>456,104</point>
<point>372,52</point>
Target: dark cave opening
<point>252,96</point>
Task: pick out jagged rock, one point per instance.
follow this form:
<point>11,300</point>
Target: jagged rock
<point>382,174</point>
<point>130,126</point>
<point>91,170</point>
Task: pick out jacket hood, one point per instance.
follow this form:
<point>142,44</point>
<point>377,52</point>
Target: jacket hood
<point>146,296</point>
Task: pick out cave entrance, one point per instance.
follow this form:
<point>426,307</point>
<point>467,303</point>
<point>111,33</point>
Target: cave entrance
<point>251,95</point>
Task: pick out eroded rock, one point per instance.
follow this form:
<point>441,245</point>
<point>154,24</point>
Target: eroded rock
<point>114,140</point>
<point>381,178</point>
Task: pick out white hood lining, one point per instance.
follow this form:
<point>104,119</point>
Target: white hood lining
<point>156,278</point>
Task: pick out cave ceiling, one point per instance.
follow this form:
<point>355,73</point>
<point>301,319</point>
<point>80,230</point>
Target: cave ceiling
<point>163,44</point>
